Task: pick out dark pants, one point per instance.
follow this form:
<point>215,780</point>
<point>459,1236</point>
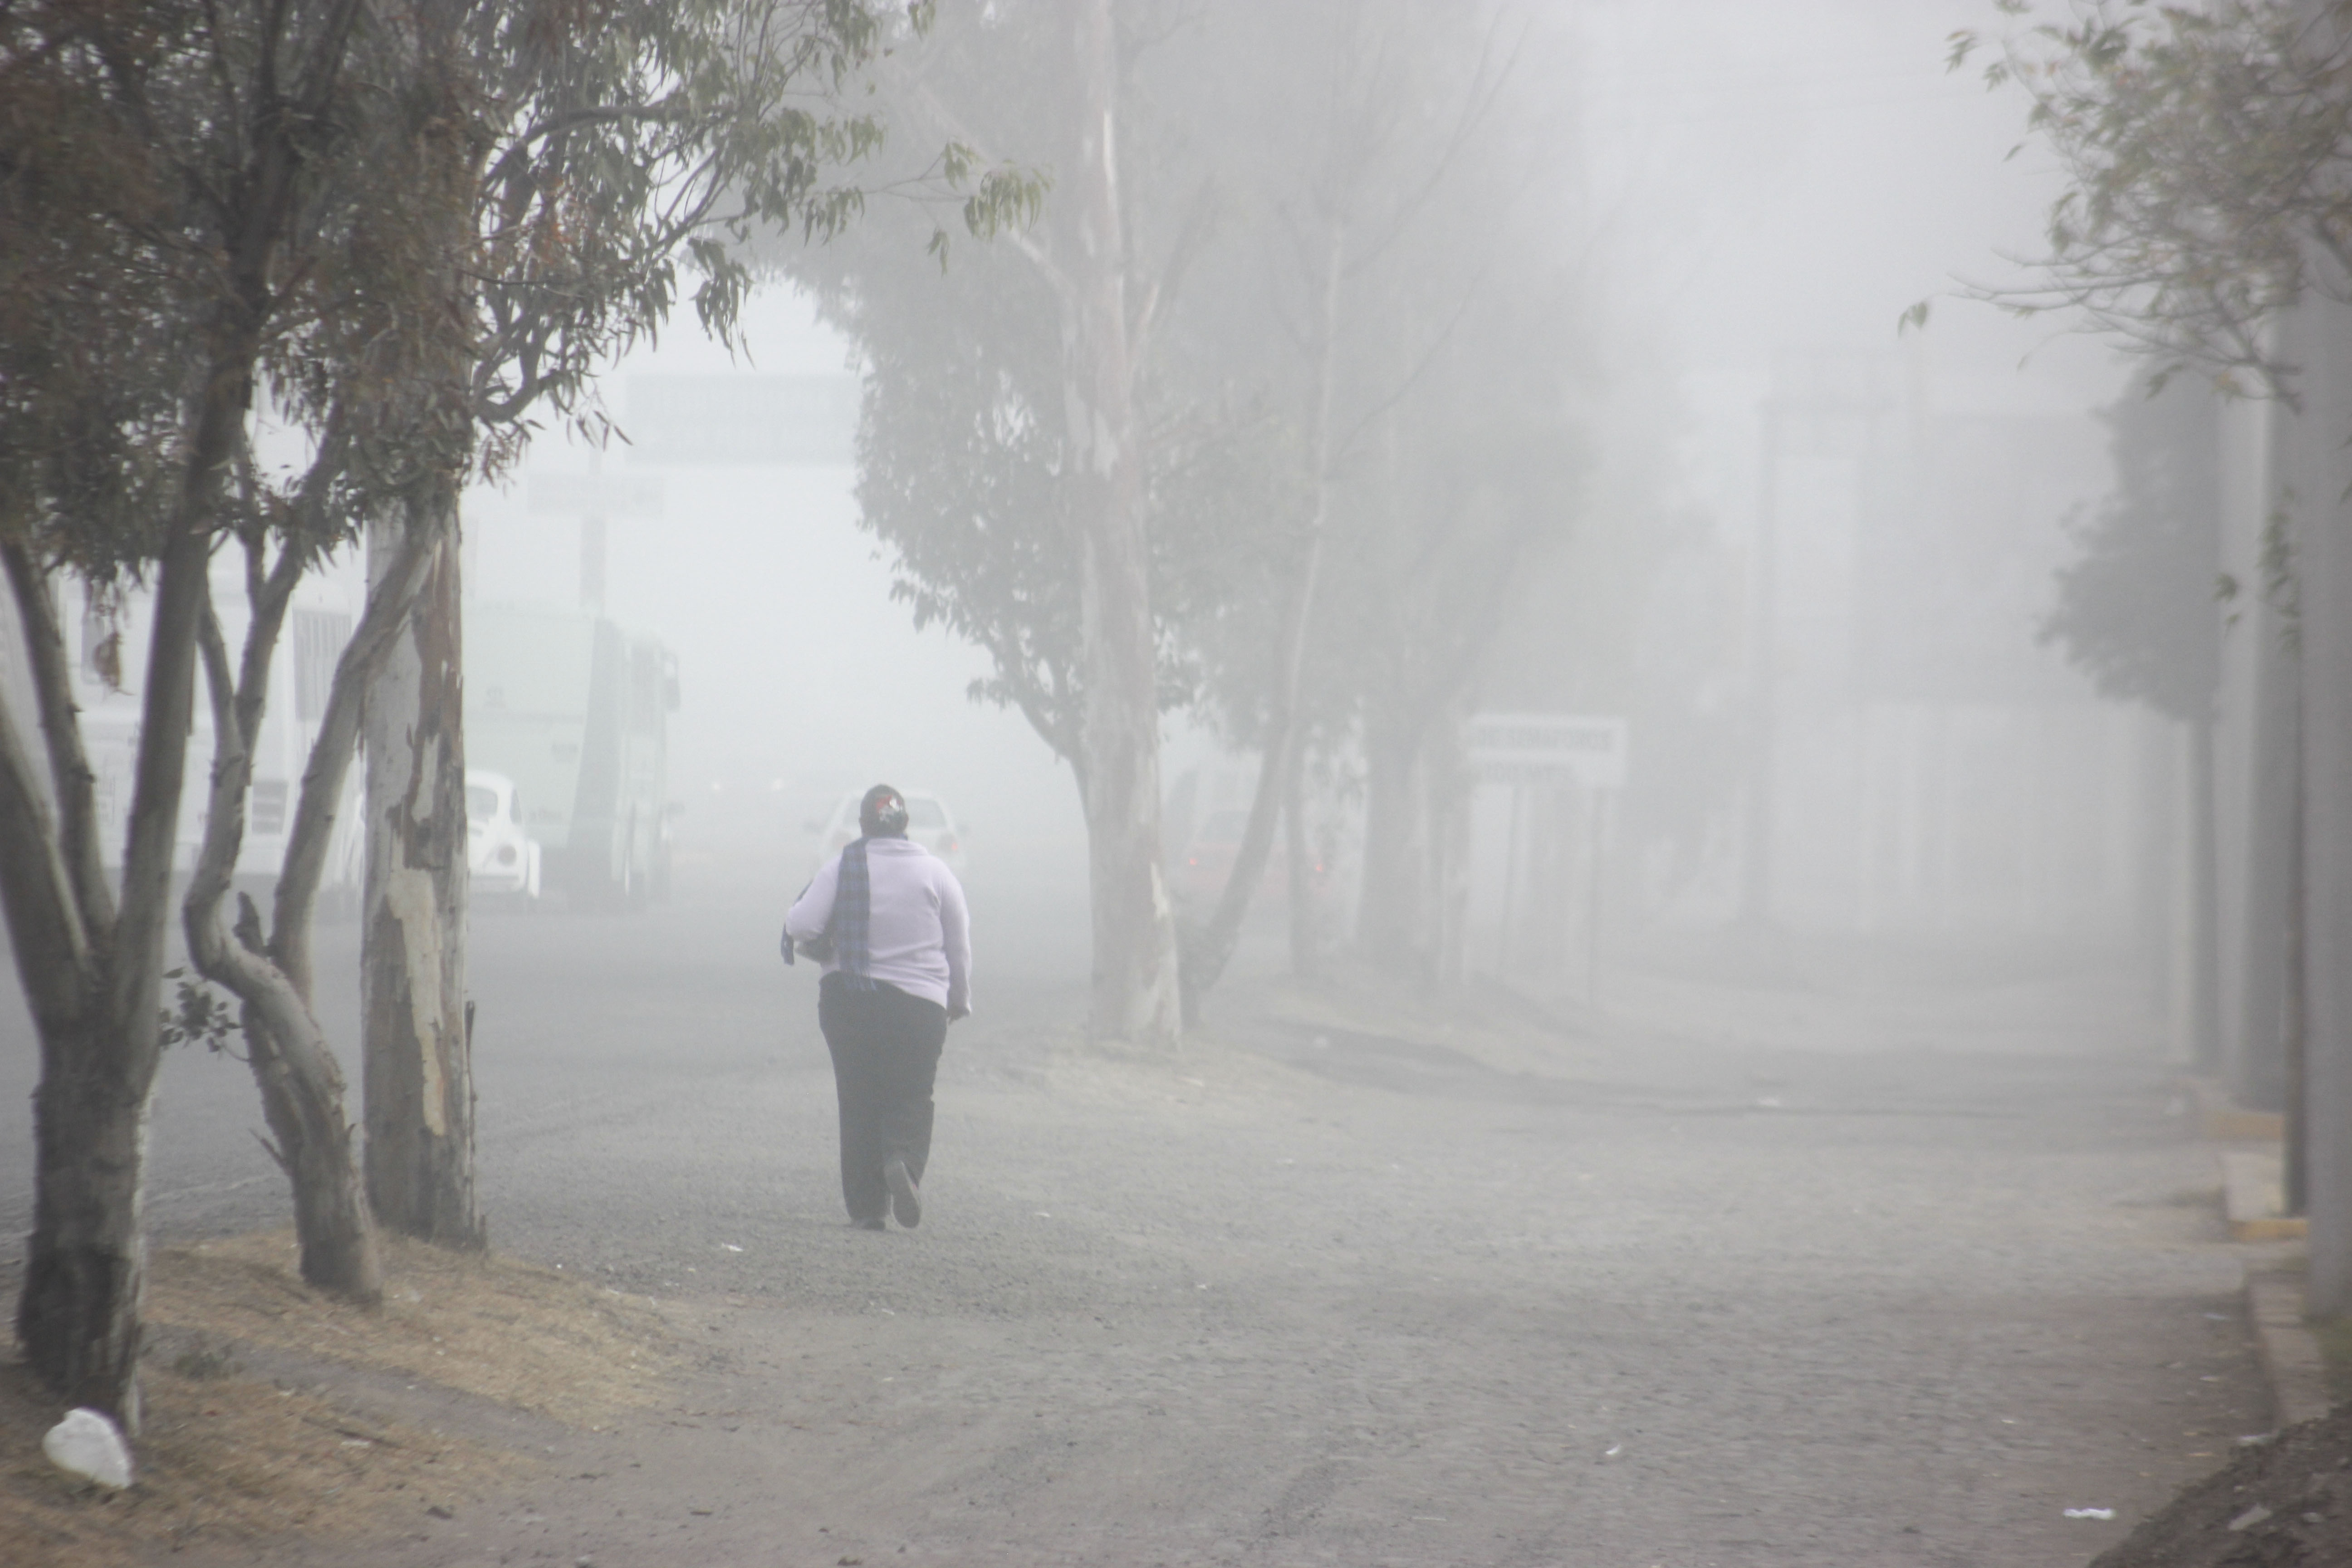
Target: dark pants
<point>886,1053</point>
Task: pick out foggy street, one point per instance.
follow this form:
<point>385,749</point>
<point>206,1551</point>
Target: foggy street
<point>1365,1300</point>
<point>1613,740</point>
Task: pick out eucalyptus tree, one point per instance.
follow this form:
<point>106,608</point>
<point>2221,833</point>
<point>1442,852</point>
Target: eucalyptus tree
<point>219,131</point>
<point>1329,271</point>
<point>1052,492</point>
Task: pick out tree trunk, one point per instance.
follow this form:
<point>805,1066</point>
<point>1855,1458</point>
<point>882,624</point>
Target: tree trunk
<point>1394,921</point>
<point>1446,812</point>
<point>2204,902</point>
<point>417,1063</point>
<point>1305,892</point>
<point>1278,767</point>
<point>301,1085</point>
<point>2271,911</point>
<point>86,1261</point>
<point>78,1314</point>
<point>1135,970</point>
<point>302,1097</point>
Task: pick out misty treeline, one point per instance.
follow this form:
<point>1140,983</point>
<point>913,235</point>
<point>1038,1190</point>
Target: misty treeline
<point>1268,420</point>
<point>391,236</point>
<point>2208,222</point>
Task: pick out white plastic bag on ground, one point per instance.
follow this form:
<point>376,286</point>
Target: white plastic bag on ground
<point>88,1445</point>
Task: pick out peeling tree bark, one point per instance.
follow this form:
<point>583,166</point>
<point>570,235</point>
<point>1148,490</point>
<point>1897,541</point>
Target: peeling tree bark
<point>417,1061</point>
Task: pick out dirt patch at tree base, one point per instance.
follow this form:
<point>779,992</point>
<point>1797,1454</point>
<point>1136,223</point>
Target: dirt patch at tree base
<point>273,1408</point>
<point>2284,1504</point>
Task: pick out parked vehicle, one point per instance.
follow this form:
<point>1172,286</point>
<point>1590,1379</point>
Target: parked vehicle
<point>929,823</point>
<point>575,711</point>
<point>504,860</point>
<point>1207,861</point>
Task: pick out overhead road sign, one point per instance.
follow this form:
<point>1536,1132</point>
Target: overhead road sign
<point>787,421</point>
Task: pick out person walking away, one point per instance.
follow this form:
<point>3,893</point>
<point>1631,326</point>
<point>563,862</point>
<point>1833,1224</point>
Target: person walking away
<point>886,919</point>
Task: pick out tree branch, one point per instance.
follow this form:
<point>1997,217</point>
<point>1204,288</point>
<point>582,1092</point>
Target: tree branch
<point>71,778</point>
<point>310,835</point>
<point>54,955</point>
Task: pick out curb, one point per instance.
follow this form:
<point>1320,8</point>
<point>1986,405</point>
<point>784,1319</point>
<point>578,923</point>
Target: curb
<point>2220,1119</point>
<point>2291,1363</point>
<point>2290,1355</point>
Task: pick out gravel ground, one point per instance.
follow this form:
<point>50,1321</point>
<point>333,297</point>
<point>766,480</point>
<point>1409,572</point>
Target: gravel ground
<point>2286,1504</point>
<point>1319,1291</point>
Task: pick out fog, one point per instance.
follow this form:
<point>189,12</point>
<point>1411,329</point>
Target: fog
<point>1752,181</point>
<point>801,679</point>
<point>1720,1102</point>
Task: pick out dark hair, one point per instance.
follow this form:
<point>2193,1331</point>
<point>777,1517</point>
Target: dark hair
<point>882,813</point>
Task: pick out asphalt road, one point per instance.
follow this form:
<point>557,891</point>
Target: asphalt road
<point>1306,1297</point>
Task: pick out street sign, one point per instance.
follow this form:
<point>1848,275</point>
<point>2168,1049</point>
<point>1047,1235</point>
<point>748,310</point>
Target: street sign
<point>1543,749</point>
<point>616,498</point>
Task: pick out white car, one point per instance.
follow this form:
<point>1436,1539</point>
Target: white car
<point>929,823</point>
<point>503,858</point>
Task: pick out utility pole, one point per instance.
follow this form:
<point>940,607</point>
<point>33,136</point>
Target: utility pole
<point>598,499</point>
<point>2322,544</point>
<point>1822,403</point>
